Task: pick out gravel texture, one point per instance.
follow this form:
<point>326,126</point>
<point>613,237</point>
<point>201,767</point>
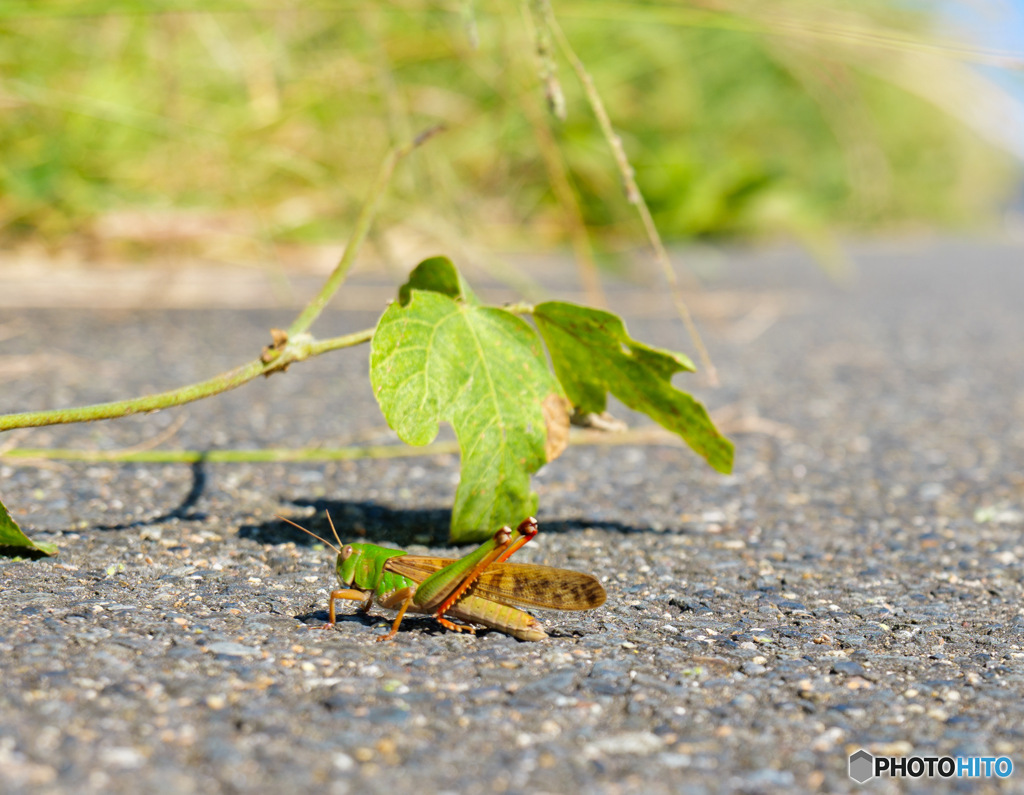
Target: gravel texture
<point>856,583</point>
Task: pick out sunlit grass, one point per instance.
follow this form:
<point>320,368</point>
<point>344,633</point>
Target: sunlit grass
<point>242,125</point>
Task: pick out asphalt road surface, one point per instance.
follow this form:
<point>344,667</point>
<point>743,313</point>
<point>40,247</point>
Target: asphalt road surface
<point>856,583</point>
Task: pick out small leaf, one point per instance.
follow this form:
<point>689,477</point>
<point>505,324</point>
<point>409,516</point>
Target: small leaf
<point>593,355</point>
<point>13,542</point>
<point>438,275</point>
<point>482,369</point>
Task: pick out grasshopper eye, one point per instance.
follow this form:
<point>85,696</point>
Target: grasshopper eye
<point>346,552</point>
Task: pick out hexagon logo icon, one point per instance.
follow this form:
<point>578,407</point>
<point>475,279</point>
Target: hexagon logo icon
<point>862,766</point>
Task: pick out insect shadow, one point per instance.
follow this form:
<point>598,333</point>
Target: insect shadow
<point>356,522</point>
<point>375,618</point>
<point>379,524</point>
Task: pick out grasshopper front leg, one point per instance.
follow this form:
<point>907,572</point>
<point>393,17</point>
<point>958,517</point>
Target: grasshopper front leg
<point>351,594</point>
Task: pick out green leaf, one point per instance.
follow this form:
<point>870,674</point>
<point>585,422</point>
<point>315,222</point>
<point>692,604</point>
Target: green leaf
<point>593,355</point>
<point>438,275</point>
<point>13,542</point>
<point>482,369</point>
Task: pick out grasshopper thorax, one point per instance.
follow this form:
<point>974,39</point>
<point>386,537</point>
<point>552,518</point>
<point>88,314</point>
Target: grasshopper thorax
<point>362,565</point>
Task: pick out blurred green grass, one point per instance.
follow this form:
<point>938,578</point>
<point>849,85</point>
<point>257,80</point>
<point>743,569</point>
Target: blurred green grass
<point>131,126</point>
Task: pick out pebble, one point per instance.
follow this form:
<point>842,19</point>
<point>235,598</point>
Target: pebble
<point>850,668</point>
<point>638,743</point>
<point>229,649</point>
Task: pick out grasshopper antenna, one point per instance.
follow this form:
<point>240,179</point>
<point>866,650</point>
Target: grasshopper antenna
<point>331,522</point>
<point>325,542</point>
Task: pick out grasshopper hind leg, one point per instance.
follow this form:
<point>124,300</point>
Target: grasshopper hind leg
<point>447,624</point>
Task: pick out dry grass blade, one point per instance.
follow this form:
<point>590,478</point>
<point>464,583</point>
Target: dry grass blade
<point>633,193</point>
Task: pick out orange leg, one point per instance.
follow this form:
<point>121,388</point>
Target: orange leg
<point>405,597</point>
<point>503,550</point>
<point>351,594</point>
<point>527,530</point>
<point>444,622</point>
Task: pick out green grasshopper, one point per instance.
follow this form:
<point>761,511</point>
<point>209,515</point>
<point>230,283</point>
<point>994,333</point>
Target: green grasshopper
<point>480,588</point>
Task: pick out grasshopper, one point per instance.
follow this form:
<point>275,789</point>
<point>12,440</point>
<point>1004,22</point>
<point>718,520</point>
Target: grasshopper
<point>480,588</point>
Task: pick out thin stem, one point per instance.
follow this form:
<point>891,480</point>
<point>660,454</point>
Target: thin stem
<point>633,194</point>
<point>359,233</point>
<point>266,455</point>
<point>25,456</point>
<point>555,165</point>
<point>294,351</point>
<point>123,408</point>
<point>293,346</point>
<point>316,347</point>
<point>519,308</point>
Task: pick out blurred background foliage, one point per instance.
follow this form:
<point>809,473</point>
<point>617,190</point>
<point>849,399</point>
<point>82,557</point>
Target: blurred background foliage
<point>233,128</point>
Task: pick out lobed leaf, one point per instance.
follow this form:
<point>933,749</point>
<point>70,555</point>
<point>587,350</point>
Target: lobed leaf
<point>442,357</point>
<point>593,355</point>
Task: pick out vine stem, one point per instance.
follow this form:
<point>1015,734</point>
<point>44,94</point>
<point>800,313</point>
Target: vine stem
<point>294,351</point>
<point>26,456</point>
<point>362,228</point>
<point>295,345</point>
<point>266,455</point>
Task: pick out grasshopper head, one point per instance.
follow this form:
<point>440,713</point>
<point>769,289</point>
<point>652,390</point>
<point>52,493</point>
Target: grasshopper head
<point>348,563</point>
